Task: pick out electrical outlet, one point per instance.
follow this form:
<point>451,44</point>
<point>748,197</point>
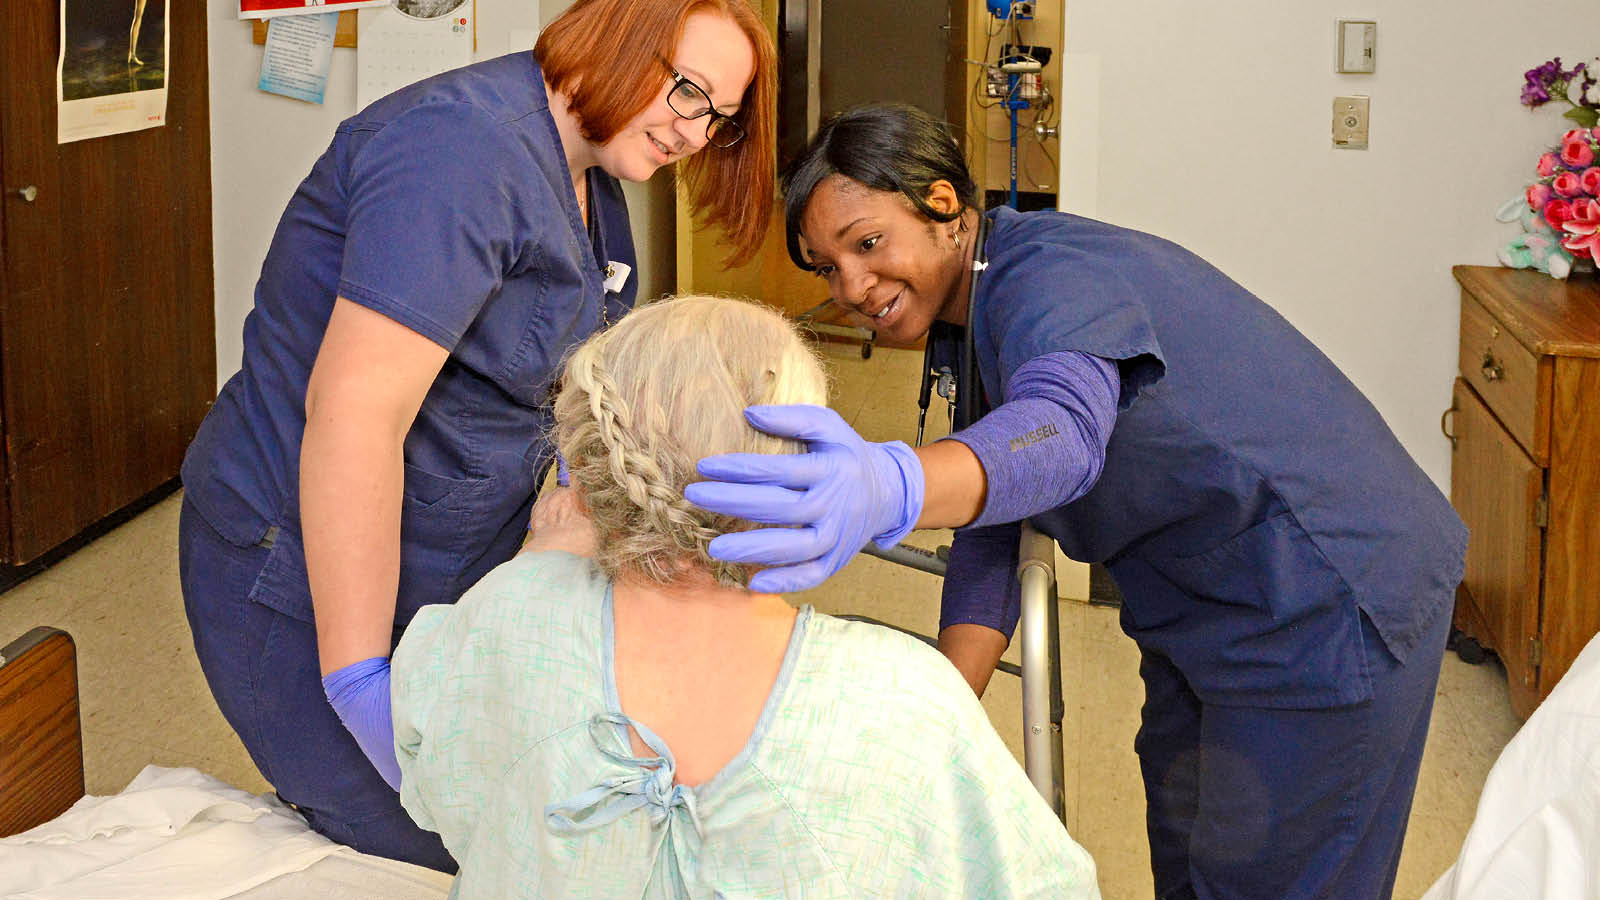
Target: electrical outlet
<point>1351,116</point>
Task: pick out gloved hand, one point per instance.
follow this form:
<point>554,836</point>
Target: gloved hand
<point>842,493</point>
<point>359,693</point>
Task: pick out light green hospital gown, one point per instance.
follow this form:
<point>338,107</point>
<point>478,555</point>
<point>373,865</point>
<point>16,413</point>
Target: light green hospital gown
<point>872,772</point>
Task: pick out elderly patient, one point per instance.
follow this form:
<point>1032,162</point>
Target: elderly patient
<point>614,714</point>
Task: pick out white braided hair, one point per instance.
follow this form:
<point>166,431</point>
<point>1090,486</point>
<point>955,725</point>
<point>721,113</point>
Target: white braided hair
<point>643,401</point>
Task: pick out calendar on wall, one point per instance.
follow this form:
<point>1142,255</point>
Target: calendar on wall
<point>409,41</point>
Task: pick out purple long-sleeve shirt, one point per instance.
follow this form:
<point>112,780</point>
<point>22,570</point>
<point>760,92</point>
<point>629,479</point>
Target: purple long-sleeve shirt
<point>1042,448</point>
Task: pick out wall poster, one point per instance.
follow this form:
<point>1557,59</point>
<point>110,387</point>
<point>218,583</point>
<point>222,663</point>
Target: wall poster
<point>266,9</point>
<point>111,75</point>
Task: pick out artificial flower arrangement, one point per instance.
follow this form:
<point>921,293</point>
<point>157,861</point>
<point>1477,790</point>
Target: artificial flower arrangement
<point>1562,213</point>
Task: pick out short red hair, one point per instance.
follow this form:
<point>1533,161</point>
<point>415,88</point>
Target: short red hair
<point>600,52</point>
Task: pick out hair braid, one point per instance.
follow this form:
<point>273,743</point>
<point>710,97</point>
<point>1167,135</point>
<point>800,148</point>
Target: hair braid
<point>642,402</point>
<point>634,466</point>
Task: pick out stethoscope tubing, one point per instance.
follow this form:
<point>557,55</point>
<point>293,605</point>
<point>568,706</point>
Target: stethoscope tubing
<point>968,389</point>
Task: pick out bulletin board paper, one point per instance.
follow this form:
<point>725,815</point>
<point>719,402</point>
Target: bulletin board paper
<point>297,57</point>
<point>410,41</point>
<point>111,73</point>
<point>343,36</point>
<point>266,9</point>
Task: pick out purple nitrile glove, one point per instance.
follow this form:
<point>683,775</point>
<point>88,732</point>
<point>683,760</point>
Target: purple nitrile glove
<point>842,493</point>
<point>359,693</point>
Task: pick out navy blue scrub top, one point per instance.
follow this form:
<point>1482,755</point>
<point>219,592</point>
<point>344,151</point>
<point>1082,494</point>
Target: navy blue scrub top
<point>1253,503</point>
<point>447,207</point>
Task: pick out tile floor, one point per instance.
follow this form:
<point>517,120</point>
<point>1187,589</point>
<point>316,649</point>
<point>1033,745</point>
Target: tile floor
<point>144,700</point>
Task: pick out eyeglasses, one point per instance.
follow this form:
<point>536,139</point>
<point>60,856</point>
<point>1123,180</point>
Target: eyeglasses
<point>690,101</point>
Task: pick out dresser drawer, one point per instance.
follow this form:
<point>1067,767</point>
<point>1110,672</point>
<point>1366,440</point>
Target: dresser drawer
<point>1513,382</point>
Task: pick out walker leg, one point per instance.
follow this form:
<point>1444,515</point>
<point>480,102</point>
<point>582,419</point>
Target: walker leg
<point>1042,705</point>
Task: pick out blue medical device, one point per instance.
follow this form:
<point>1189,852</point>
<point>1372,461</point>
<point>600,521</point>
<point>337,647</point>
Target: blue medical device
<point>1001,9</point>
<point>1016,61</point>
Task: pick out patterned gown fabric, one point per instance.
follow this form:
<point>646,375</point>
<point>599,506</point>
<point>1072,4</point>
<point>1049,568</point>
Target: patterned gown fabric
<point>872,772</point>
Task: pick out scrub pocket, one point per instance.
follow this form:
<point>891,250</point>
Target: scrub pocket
<point>1262,619</point>
<point>445,525</point>
<point>438,525</point>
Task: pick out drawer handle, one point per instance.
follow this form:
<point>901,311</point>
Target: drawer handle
<point>1492,370</point>
<point>1445,421</point>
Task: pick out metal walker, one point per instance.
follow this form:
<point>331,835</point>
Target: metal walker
<point>1039,643</point>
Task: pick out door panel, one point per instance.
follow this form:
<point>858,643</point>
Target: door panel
<point>1495,487</point>
<point>912,57</point>
<point>874,51</point>
<point>107,343</point>
<point>1571,588</point>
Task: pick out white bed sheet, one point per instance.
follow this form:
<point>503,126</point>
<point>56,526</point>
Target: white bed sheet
<point>1537,830</point>
<point>184,835</point>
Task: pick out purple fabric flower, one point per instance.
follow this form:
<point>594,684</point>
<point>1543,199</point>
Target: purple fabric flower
<point>1541,80</point>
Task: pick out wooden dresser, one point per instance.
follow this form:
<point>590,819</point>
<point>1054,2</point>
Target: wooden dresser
<point>1525,431</point>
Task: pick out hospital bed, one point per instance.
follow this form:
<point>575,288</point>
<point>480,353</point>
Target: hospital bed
<point>170,833</point>
<point>1537,828</point>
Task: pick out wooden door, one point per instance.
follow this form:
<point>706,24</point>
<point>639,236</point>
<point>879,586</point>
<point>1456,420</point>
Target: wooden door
<point>768,277</point>
<point>873,51</point>
<point>917,56</point>
<point>1496,487</point>
<point>107,341</point>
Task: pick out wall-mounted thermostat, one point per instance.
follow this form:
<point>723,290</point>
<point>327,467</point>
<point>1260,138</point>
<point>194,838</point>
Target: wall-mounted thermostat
<point>1358,46</point>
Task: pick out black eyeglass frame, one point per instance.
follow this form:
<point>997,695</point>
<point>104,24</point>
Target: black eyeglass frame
<point>719,123</point>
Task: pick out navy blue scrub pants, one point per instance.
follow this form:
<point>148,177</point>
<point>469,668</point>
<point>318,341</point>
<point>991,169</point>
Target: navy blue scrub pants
<point>262,668</point>
<point>1277,803</point>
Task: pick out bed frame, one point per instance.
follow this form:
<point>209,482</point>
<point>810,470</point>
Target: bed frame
<point>41,741</point>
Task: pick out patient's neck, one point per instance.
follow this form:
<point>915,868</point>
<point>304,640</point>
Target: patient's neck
<point>695,661</point>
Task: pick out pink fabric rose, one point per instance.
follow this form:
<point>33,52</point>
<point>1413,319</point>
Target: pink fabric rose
<point>1538,196</point>
<point>1575,134</point>
<point>1548,164</point>
<point>1557,211</point>
<point>1590,181</point>
<point>1583,229</point>
<point>1583,246</point>
<point>1577,153</point>
<point>1567,184</point>
<point>1585,217</point>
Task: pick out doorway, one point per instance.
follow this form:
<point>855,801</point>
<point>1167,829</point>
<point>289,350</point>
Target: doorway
<point>842,53</point>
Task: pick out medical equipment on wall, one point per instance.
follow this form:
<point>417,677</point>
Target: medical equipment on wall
<point>1014,79</point>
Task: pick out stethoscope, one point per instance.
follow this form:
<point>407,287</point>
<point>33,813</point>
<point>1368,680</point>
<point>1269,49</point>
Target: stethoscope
<point>956,379</point>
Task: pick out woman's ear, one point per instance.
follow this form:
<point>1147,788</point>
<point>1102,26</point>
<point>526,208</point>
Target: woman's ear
<point>943,198</point>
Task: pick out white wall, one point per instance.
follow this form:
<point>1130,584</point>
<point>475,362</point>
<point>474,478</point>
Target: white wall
<point>262,145</point>
<point>1209,124</point>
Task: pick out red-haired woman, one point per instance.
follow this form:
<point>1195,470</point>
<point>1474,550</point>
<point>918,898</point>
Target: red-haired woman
<point>382,445</point>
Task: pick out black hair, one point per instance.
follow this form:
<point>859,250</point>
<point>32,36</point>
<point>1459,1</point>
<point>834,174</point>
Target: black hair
<point>883,146</point>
